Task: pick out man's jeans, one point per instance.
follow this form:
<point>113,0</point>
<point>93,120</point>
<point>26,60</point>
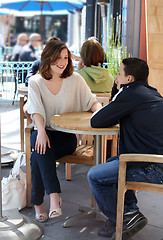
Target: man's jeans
<point>103,180</point>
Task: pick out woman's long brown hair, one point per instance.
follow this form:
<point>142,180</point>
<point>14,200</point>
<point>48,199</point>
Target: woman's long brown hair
<point>50,53</point>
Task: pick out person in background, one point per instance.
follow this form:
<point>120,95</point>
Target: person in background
<point>133,103</point>
<point>28,52</point>
<point>56,89</point>
<point>91,68</point>
<point>22,40</point>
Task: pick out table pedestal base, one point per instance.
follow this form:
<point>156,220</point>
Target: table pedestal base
<point>16,226</point>
<point>87,213</point>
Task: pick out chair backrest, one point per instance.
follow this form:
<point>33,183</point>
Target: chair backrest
<point>107,95</point>
<point>85,139</point>
<point>103,98</point>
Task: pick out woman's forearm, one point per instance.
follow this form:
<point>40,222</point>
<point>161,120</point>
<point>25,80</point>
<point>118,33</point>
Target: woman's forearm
<point>39,121</point>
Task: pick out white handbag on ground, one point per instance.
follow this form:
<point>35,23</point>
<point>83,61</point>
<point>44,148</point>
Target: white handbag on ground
<point>14,186</point>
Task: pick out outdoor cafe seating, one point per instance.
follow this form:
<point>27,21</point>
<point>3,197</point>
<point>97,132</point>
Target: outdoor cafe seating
<point>13,74</point>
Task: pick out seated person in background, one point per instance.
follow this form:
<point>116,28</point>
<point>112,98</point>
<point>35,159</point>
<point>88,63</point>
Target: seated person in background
<point>57,89</point>
<point>139,110</point>
<point>91,68</point>
<point>28,53</point>
<point>22,40</point>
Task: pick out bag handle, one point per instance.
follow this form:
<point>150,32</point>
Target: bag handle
<point>18,163</point>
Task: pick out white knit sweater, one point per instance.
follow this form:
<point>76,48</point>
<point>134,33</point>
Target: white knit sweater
<point>74,96</point>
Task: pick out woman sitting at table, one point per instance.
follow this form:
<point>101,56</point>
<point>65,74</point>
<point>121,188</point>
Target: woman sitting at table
<point>56,89</point>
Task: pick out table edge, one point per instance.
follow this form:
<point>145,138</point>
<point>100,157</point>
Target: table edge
<point>87,132</point>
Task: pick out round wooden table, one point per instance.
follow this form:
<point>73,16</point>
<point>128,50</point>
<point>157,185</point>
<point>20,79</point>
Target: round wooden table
<point>79,123</point>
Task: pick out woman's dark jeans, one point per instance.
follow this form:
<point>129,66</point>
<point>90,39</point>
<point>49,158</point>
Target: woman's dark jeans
<point>103,180</point>
<point>43,167</point>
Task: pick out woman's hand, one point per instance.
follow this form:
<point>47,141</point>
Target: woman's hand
<point>42,142</point>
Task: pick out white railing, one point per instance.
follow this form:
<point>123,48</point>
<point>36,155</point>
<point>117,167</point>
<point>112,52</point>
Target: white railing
<point>11,75</point>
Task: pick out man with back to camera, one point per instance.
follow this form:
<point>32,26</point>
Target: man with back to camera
<point>138,108</point>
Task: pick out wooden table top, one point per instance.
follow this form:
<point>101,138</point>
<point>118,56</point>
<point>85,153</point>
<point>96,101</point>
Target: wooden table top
<point>79,121</point>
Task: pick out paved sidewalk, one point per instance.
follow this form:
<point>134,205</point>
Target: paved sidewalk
<point>77,192</point>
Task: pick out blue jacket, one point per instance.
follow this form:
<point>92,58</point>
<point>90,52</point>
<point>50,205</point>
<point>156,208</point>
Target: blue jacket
<point>138,108</point>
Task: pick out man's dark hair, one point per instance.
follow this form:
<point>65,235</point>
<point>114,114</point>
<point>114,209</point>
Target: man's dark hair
<point>136,67</point>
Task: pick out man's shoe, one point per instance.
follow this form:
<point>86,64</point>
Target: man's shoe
<point>108,229</point>
<point>132,223</point>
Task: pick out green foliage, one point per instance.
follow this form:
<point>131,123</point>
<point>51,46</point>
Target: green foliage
<point>116,52</point>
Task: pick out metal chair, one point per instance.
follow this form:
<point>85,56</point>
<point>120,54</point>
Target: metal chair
<point>123,185</point>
